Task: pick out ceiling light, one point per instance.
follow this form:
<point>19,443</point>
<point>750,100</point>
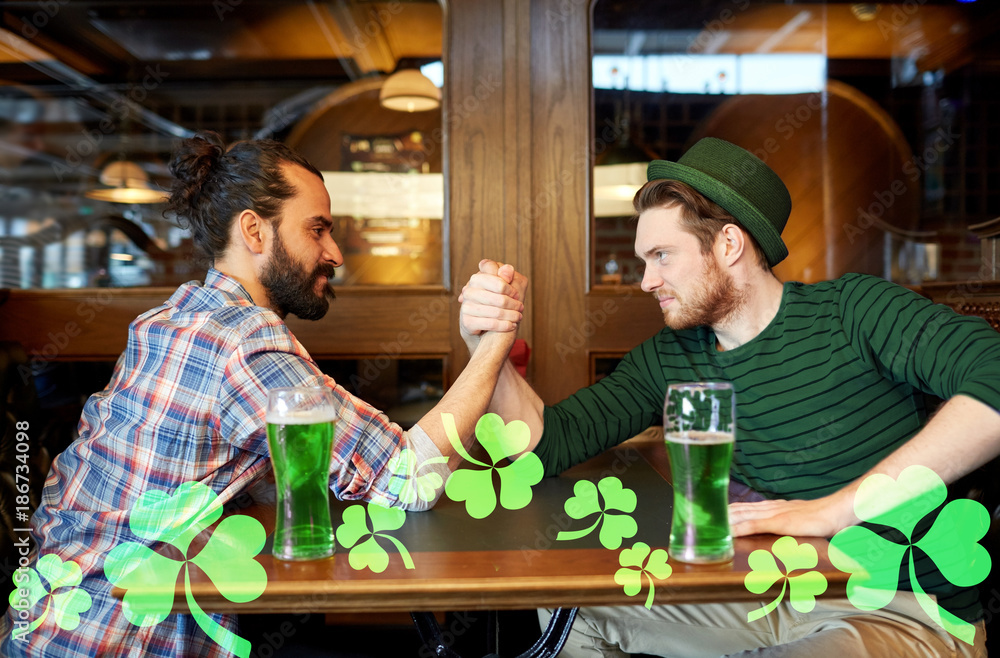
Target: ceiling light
<point>126,183</point>
<point>409,90</point>
<point>865,11</point>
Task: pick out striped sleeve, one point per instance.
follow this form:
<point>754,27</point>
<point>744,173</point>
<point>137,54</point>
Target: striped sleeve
<point>595,418</point>
<point>910,339</point>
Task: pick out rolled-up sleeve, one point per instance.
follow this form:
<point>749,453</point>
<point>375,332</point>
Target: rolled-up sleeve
<point>367,462</point>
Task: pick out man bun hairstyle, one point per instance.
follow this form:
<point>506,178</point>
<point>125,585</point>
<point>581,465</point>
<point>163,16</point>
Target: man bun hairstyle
<point>213,185</point>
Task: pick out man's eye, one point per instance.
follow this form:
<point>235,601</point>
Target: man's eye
<point>661,256</point>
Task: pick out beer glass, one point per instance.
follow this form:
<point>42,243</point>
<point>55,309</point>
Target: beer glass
<point>300,425</point>
<point>700,425</point>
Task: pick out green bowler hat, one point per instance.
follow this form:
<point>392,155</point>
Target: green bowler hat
<point>741,183</point>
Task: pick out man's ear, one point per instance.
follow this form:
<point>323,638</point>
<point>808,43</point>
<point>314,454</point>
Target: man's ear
<point>732,243</point>
<point>254,231</point>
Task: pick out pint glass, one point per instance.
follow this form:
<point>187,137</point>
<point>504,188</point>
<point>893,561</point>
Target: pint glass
<point>700,425</point>
<point>300,438</point>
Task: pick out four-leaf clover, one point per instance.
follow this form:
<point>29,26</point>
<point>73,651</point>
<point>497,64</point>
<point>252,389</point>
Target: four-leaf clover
<point>764,572</point>
<point>66,604</point>
<point>615,527</point>
<point>635,565</point>
<point>369,553</point>
<point>409,489</point>
<point>227,558</point>
<point>874,561</point>
<point>475,486</point>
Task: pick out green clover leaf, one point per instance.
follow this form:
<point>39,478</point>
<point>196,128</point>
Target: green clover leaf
<point>952,542</point>
<point>637,562</point>
<point>227,558</point>
<point>409,489</point>
<point>33,590</point>
<point>68,606</point>
<point>615,528</point>
<point>369,553</point>
<point>764,572</point>
<point>148,579</point>
<point>874,561</point>
<point>475,486</point>
<point>584,501</point>
<point>900,503</point>
<point>67,601</point>
<point>175,519</point>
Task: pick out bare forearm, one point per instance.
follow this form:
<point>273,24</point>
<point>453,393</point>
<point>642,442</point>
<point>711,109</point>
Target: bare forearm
<point>469,397</point>
<point>514,399</point>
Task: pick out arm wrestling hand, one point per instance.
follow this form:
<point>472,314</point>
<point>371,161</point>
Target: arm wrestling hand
<point>491,301</point>
<point>823,517</point>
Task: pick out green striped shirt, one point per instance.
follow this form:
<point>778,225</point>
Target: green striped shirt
<point>831,386</point>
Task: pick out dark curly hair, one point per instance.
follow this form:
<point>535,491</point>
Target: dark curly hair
<point>214,184</point>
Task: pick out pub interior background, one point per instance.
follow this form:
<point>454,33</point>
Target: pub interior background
<point>882,119</point>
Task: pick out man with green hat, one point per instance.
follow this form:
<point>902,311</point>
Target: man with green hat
<point>829,379</point>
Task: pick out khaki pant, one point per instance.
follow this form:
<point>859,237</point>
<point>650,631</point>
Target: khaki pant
<point>834,629</point>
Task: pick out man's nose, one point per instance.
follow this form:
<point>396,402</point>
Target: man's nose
<point>650,280</point>
<point>331,252</point>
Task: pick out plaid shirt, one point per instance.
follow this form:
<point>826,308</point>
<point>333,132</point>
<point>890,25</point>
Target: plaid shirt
<point>186,402</point>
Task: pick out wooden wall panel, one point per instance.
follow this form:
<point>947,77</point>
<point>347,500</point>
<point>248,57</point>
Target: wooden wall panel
<point>93,323</point>
<point>474,119</point>
<point>488,115</point>
<point>559,208</point>
<point>618,319</point>
<point>518,149</point>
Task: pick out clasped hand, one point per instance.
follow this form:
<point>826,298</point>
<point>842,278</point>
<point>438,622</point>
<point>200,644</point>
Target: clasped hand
<point>492,300</point>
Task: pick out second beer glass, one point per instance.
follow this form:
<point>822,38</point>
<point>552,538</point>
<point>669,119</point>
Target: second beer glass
<point>700,425</point>
<point>300,425</point>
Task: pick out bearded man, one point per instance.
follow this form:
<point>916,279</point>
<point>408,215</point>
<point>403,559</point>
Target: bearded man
<point>829,379</point>
<point>188,396</point>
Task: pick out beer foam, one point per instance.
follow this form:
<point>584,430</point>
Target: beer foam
<point>307,417</point>
<point>701,438</point>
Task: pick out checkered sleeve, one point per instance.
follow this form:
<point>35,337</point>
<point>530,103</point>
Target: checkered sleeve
<point>364,439</point>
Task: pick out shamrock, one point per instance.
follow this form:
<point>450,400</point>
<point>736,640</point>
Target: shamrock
<point>475,486</point>
<point>615,527</point>
<point>65,605</point>
<point>764,572</point>
<point>874,561</point>
<point>370,554</point>
<point>408,489</point>
<point>631,579</point>
<point>227,558</point>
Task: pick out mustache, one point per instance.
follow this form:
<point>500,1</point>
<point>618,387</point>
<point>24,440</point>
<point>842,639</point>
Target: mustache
<point>325,270</point>
<point>328,271</point>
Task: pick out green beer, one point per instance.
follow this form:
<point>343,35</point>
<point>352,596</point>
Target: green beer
<point>699,464</point>
<point>300,444</point>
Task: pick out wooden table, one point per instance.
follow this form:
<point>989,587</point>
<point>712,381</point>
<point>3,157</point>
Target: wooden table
<point>510,559</point>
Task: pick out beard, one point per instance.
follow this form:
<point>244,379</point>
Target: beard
<point>717,299</point>
<point>291,289</point>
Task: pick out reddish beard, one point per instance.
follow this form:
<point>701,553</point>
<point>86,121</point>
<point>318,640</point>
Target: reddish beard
<point>711,303</point>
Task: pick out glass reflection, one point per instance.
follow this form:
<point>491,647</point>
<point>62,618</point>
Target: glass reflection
<point>94,95</point>
<point>873,114</point>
